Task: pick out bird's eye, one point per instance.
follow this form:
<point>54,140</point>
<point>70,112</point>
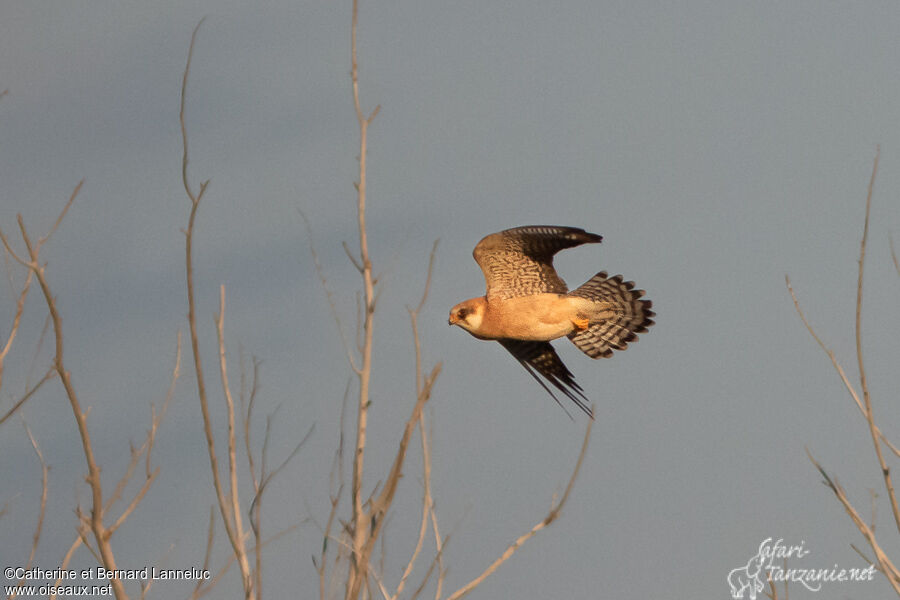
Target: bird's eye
<point>461,313</point>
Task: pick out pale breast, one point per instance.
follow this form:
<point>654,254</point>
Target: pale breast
<point>541,317</point>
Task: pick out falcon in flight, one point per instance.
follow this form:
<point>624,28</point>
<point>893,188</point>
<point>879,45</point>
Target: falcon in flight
<point>527,305</point>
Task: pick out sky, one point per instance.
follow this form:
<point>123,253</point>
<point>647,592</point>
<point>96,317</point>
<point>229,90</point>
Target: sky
<point>717,147</point>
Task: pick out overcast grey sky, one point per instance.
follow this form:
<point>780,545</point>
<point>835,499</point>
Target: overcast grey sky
<point>716,146</point>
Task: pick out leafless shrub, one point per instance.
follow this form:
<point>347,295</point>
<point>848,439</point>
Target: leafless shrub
<point>356,542</point>
<point>231,508</point>
<point>863,401</point>
<point>96,526</point>
<point>349,559</point>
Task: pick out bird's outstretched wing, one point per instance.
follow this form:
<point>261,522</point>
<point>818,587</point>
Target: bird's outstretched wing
<point>541,358</point>
<point>519,261</point>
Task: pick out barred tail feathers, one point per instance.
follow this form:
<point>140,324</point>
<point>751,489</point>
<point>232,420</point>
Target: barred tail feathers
<point>631,315</point>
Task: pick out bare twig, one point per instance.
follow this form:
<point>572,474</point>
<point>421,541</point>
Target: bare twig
<point>50,374</point>
<point>332,304</point>
<point>255,511</point>
<point>358,561</point>
<point>17,319</point>
<point>873,430</point>
<point>427,504</point>
<point>65,563</point>
<point>865,406</point>
<point>773,591</point>
<point>837,366</point>
<point>62,215</point>
<point>208,585</point>
<point>351,257</point>
<point>144,450</point>
<point>894,255</point>
<point>439,544</point>
<point>438,562</point>
<point>884,563</point>
<point>45,473</point>
<point>873,496</point>
<point>229,515</point>
<point>37,350</point>
<point>98,528</point>
<point>210,537</point>
<point>335,480</point>
<point>555,510</point>
<point>266,477</point>
<point>235,508</point>
<point>382,503</point>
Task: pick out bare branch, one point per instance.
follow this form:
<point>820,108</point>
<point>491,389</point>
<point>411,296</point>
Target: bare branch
<point>382,503</point>
<point>358,561</point>
<point>266,477</point>
<point>351,257</point>
<point>335,478</point>
<point>62,214</point>
<point>134,503</point>
<point>427,504</point>
<point>210,536</point>
<point>45,329</point>
<point>873,430</point>
<point>211,583</point>
<point>227,518</point>
<point>255,512</point>
<point>439,544</point>
<point>98,528</point>
<point>50,374</point>
<point>144,450</point>
<point>438,562</point>
<point>156,419</point>
<point>332,304</point>
<point>894,255</point>
<point>195,198</point>
<point>65,563</point>
<point>425,291</point>
<point>12,253</point>
<point>17,319</point>
<point>235,508</point>
<point>269,476</point>
<point>885,565</point>
<point>45,473</point>
<point>837,366</point>
<point>551,516</point>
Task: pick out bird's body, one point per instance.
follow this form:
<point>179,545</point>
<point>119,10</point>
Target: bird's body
<point>539,317</point>
<point>527,304</point>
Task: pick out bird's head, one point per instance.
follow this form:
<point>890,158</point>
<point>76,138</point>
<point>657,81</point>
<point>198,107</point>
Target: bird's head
<point>468,314</point>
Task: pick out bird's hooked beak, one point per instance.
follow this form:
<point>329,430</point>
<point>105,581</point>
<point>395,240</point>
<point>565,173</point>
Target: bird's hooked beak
<point>452,320</point>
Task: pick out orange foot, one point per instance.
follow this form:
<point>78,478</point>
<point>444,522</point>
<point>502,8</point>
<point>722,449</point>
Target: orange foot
<point>580,324</point>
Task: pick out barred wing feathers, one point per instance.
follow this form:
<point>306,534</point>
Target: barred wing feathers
<point>631,315</point>
<point>519,262</point>
<point>541,358</point>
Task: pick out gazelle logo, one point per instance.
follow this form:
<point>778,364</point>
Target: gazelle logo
<point>750,580</point>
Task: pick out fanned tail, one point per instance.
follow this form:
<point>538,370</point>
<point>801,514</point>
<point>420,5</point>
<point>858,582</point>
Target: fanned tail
<point>625,315</point>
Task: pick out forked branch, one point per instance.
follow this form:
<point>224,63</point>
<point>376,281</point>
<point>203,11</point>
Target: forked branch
<point>230,517</point>
<point>863,402</point>
<point>32,261</point>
